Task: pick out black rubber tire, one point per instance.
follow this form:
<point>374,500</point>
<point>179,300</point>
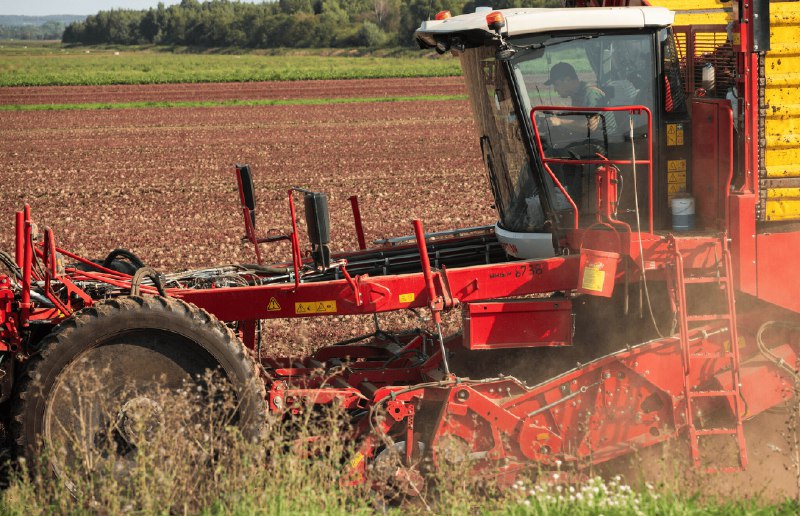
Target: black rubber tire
<point>141,340</point>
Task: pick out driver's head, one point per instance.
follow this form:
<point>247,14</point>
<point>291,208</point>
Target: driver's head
<point>564,79</point>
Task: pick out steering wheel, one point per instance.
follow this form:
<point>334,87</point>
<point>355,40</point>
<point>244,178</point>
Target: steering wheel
<point>586,149</point>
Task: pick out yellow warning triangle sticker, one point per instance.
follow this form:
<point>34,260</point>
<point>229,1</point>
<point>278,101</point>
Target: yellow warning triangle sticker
<point>273,305</point>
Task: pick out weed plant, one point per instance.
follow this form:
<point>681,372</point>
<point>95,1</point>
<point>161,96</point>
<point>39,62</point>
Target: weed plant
<point>180,452</point>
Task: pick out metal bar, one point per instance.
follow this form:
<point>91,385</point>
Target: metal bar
<point>550,172</point>
<point>432,298</point>
<point>296,259</point>
<point>95,266</point>
<point>449,232</point>
<point>20,237</point>
<point>632,110</point>
<point>27,263</point>
<point>362,243</point>
<point>426,268</point>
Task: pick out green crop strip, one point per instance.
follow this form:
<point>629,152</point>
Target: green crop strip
<point>91,66</point>
<point>222,103</point>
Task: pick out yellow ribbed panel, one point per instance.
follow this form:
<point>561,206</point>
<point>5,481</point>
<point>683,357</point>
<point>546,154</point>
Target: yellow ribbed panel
<point>697,12</point>
<point>715,18</point>
<point>782,163</point>
<point>782,117</point>
<point>782,204</point>
<point>782,209</point>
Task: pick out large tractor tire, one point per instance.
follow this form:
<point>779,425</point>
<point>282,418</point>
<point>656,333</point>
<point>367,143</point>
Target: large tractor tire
<point>130,348</point>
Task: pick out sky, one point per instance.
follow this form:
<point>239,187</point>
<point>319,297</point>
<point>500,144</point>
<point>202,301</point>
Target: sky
<point>45,7</point>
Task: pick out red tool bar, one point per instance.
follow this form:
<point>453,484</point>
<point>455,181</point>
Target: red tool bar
<point>362,243</point>
<point>384,293</point>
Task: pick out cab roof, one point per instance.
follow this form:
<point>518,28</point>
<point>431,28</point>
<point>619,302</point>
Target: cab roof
<point>530,21</point>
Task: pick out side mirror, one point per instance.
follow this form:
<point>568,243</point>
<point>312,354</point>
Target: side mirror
<point>318,221</point>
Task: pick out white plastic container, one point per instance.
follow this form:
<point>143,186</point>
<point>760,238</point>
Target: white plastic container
<point>682,213</point>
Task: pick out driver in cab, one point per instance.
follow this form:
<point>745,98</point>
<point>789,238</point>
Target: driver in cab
<point>565,81</point>
<point>577,135</point>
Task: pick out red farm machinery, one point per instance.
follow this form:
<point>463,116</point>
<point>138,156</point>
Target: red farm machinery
<point>636,288</point>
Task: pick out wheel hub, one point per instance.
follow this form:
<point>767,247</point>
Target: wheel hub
<point>138,420</point>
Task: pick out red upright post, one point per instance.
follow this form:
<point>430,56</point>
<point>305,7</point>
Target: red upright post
<point>27,262</point>
<point>362,243</point>
<point>20,244</point>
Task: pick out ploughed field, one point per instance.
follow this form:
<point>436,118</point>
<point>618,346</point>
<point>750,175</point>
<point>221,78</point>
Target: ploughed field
<point>276,90</point>
<point>159,181</point>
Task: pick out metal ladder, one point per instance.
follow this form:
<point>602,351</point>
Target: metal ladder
<point>697,350</point>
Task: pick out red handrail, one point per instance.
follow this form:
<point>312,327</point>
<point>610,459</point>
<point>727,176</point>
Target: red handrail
<point>633,110</point>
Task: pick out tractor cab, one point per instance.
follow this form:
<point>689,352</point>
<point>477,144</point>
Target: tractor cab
<point>569,105</point>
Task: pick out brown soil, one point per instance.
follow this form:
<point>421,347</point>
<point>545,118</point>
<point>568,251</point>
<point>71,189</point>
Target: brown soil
<point>159,181</point>
<point>273,90</point>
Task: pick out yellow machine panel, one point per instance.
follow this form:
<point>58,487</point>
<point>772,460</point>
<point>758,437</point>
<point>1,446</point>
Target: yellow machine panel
<point>697,12</point>
<point>780,178</point>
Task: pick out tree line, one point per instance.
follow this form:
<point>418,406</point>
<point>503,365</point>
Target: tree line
<point>48,30</point>
<point>282,23</point>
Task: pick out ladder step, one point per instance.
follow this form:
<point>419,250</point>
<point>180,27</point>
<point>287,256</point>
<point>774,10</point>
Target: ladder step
<point>709,317</point>
<point>706,356</point>
<point>715,431</point>
<point>712,394</point>
<point>704,279</point>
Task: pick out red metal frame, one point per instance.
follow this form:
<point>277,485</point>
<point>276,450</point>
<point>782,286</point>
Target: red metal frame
<point>362,243</point>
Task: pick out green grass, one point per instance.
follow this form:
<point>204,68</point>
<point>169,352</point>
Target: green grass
<point>221,103</point>
<point>50,64</point>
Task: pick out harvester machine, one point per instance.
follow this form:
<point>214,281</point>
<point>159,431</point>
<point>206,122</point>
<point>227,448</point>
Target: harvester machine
<point>636,288</point>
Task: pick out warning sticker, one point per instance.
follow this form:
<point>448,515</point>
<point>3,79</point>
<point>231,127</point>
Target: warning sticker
<point>676,176</point>
<point>593,277</point>
<point>315,307</point>
<point>407,298</point>
<point>674,135</point>
<point>672,132</point>
<point>273,305</point>
<point>676,165</point>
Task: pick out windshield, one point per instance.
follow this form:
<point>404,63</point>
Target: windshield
<point>557,70</point>
<point>586,71</point>
<point>515,192</point>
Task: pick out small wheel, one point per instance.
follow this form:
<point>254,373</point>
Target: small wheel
<point>130,351</point>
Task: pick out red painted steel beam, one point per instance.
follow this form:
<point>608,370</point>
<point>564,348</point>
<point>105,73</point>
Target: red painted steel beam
<point>382,294</point>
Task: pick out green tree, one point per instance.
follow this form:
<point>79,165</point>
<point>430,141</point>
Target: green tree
<point>370,35</point>
<point>296,6</point>
<point>414,12</point>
